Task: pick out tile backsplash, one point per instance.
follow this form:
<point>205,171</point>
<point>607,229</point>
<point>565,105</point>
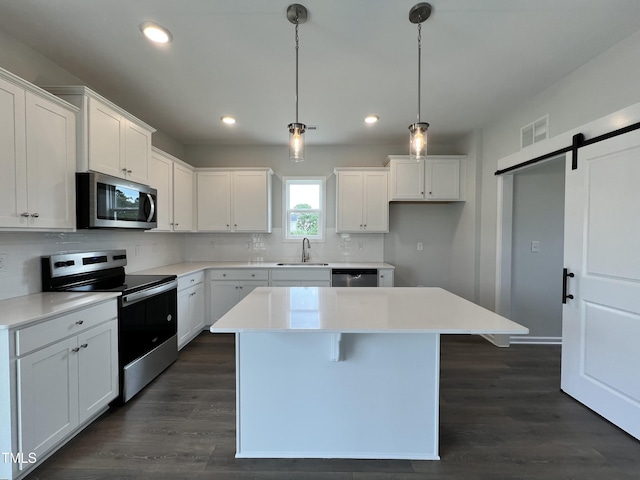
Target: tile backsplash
<point>20,252</point>
<point>271,247</point>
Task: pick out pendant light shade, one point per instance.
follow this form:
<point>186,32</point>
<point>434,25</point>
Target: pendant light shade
<point>418,131</point>
<point>296,14</point>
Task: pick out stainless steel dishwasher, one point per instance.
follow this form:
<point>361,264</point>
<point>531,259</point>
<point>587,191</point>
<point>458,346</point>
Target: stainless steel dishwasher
<point>354,277</point>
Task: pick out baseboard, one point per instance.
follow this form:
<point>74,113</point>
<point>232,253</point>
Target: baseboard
<point>528,340</point>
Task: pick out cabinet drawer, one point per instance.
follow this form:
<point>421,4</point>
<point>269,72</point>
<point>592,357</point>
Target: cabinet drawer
<point>49,331</point>
<point>301,274</point>
<point>190,280</point>
<point>239,274</point>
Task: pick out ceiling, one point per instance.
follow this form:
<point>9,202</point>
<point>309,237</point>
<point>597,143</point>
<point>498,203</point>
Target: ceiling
<point>480,58</point>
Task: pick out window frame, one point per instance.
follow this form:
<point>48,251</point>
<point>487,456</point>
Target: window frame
<point>322,211</point>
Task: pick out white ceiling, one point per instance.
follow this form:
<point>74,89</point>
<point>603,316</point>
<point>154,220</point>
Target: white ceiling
<point>228,57</point>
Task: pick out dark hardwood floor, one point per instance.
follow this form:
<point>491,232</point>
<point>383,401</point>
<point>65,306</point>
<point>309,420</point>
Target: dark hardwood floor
<point>502,417</point>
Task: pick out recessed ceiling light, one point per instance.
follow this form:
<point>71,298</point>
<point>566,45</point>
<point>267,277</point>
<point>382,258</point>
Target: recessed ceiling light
<point>371,119</point>
<point>228,120</point>
<point>156,33</point>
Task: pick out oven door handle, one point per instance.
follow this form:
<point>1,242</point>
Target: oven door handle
<point>150,292</point>
<point>153,207</point>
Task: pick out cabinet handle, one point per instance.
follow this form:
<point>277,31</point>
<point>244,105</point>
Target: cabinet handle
<point>75,350</point>
<point>176,224</point>
<point>235,224</point>
<point>124,170</point>
<point>84,345</point>
<point>193,280</point>
<point>24,214</point>
<point>129,172</point>
<point>430,193</point>
<point>224,274</point>
<point>35,215</point>
<point>240,287</point>
<point>365,225</point>
<point>79,322</point>
<point>253,274</point>
<point>381,276</point>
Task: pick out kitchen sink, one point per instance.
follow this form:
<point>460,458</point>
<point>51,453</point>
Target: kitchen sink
<point>300,264</point>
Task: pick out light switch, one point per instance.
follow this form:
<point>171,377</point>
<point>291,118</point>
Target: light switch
<point>419,246</point>
<point>535,246</point>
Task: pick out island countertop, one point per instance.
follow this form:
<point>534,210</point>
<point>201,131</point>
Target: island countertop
<point>361,310</point>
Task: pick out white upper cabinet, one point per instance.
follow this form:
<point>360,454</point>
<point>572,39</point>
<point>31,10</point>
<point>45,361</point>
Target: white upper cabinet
<point>406,179</point>
<point>110,140</point>
<point>438,178</point>
<point>183,194</point>
<point>173,179</point>
<point>37,157</point>
<point>362,204</point>
<point>234,200</point>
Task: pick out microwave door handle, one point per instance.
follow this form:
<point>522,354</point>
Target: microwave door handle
<point>153,207</point>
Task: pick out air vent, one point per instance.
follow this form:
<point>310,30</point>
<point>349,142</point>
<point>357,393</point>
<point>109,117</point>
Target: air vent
<point>534,132</point>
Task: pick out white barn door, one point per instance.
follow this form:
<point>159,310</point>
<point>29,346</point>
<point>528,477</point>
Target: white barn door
<point>601,323</point>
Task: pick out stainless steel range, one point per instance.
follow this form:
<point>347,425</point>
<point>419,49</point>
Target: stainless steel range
<point>147,310</point>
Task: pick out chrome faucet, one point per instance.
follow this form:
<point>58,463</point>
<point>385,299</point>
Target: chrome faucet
<point>305,251</point>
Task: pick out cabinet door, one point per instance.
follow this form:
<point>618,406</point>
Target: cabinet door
<point>250,204</point>
<point>137,149</point>
<point>98,380</point>
<point>385,277</point>
<point>407,179</point>
<point>196,310</point>
<point>224,296</point>
<point>214,201</point>
<point>443,179</point>
<point>349,202</point>
<point>51,134</point>
<point>161,178</point>
<point>106,142</point>
<point>182,198</point>
<point>376,203</point>
<point>246,287</point>
<point>13,180</point>
<point>184,317</point>
<point>48,396</point>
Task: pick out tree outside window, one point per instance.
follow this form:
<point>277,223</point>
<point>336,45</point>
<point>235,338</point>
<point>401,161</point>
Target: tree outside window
<point>304,207</point>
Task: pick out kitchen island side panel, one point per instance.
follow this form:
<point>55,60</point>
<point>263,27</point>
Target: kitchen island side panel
<point>379,401</point>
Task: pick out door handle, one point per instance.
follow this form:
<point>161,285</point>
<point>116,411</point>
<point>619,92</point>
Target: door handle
<point>566,274</point>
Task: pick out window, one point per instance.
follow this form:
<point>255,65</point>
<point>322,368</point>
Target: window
<point>304,207</point>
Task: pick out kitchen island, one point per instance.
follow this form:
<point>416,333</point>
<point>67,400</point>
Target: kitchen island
<point>345,372</point>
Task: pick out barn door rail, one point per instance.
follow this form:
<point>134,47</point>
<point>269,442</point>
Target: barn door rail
<point>578,142</point>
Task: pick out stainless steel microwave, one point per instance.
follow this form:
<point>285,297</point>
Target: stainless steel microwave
<point>103,201</point>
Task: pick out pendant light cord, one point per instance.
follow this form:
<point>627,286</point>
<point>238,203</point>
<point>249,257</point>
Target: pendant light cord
<point>419,66</point>
<point>297,48</point>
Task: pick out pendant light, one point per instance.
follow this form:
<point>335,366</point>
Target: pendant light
<point>296,14</point>
<point>418,131</point>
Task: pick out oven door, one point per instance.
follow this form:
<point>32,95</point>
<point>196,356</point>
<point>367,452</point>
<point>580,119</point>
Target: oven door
<point>147,335</point>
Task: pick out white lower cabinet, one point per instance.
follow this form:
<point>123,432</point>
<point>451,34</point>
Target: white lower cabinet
<point>385,277</point>
<point>191,307</point>
<point>66,373</point>
<point>229,286</point>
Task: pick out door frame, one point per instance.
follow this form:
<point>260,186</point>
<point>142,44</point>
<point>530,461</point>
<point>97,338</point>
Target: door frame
<point>504,224</point>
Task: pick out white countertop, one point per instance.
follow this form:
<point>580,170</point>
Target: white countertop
<point>187,268</point>
<point>361,310</point>
<point>21,311</point>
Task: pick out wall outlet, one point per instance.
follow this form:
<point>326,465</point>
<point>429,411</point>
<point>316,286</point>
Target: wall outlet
<point>136,250</point>
<point>420,246</point>
<point>3,260</point>
<point>535,246</point>
<point>360,245</point>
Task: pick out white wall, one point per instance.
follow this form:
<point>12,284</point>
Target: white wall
<point>538,214</point>
<point>605,84</point>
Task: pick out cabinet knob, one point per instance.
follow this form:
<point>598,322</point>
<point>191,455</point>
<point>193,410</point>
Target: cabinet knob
<point>430,193</point>
<point>240,287</point>
<point>24,214</point>
<point>35,215</point>
<point>235,224</point>
<point>79,322</point>
<point>224,274</point>
<point>193,280</point>
<point>176,224</point>
<point>227,225</point>
<point>75,350</point>
<point>365,225</point>
<point>421,193</point>
<point>253,274</point>
<point>381,276</point>
<point>84,345</point>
